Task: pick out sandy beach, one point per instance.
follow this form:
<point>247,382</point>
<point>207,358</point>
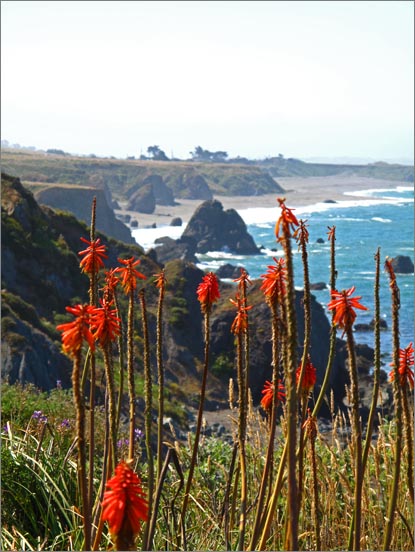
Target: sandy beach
<point>299,192</point>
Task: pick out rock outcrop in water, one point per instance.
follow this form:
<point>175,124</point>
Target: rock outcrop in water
<point>402,264</point>
<point>214,229</point>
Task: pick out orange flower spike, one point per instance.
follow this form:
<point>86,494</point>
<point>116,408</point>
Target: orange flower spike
<point>240,323</point>
<point>74,333</point>
<point>310,376</point>
<point>105,324</point>
<point>301,234</point>
<point>287,219</point>
<point>129,274</point>
<point>111,280</point>
<point>344,305</point>
<point>124,505</point>
<point>208,291</point>
<point>268,392</point>
<point>243,279</point>
<point>331,234</point>
<point>160,281</point>
<point>389,268</point>
<point>406,360</point>
<point>94,255</point>
<point>274,280</point>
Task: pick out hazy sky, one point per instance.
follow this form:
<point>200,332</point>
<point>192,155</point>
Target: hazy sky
<point>255,79</point>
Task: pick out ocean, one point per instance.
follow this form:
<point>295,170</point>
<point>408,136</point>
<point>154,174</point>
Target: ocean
<point>380,218</point>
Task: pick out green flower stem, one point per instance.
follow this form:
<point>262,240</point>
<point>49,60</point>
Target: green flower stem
<point>80,435</point>
<point>147,416</point>
<point>408,420</point>
<point>272,426</point>
<point>291,538</point>
<point>241,441</point>
<point>109,374</point>
<point>120,342</point>
<point>393,497</point>
<point>272,504</point>
<point>333,332</point>
<point>199,419</point>
<point>357,439</point>
<point>130,373</point>
<point>160,372</point>
<point>376,371</point>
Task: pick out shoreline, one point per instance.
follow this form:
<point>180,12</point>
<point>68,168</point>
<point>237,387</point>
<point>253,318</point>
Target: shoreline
<point>299,192</point>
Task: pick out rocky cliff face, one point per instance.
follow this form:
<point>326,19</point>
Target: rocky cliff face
<point>214,229</point>
<point>40,276</point>
<point>78,201</point>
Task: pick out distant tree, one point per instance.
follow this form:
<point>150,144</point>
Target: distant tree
<point>130,158</point>
<point>200,154</point>
<point>157,154</point>
<point>219,156</point>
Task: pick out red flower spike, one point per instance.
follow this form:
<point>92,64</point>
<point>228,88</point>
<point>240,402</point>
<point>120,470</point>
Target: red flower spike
<point>310,376</point>
<point>240,323</point>
<point>94,254</point>
<point>274,280</point>
<point>406,373</point>
<point>160,281</point>
<point>389,268</point>
<point>111,280</point>
<point>287,219</point>
<point>268,392</point>
<point>331,234</point>
<point>74,333</point>
<point>343,305</point>
<point>243,279</point>
<point>124,505</point>
<point>208,291</point>
<point>129,274</point>
<point>105,324</point>
<point>301,234</point>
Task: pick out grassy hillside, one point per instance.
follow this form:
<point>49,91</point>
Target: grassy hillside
<point>121,175</point>
<point>281,167</point>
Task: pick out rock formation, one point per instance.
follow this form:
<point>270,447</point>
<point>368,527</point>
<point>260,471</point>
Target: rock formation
<point>214,229</point>
<point>402,264</point>
<point>78,200</point>
<point>143,200</point>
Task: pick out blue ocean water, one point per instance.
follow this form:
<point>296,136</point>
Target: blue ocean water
<point>381,218</point>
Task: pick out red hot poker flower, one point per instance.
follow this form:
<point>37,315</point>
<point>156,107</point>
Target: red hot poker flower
<point>287,219</point>
<point>243,279</point>
<point>105,324</point>
<point>94,254</point>
<point>160,281</point>
<point>124,505</point>
<point>240,323</point>
<point>331,234</point>
<point>129,274</point>
<point>268,392</point>
<point>344,305</point>
<point>73,333</point>
<point>301,234</point>
<point>310,375</point>
<point>273,285</point>
<point>111,281</point>
<point>406,360</point>
<point>208,291</point>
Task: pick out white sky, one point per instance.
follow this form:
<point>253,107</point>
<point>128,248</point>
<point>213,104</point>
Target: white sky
<point>304,79</point>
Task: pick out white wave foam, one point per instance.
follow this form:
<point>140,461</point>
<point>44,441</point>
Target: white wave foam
<point>380,219</point>
<point>146,237</point>
<point>263,215</point>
